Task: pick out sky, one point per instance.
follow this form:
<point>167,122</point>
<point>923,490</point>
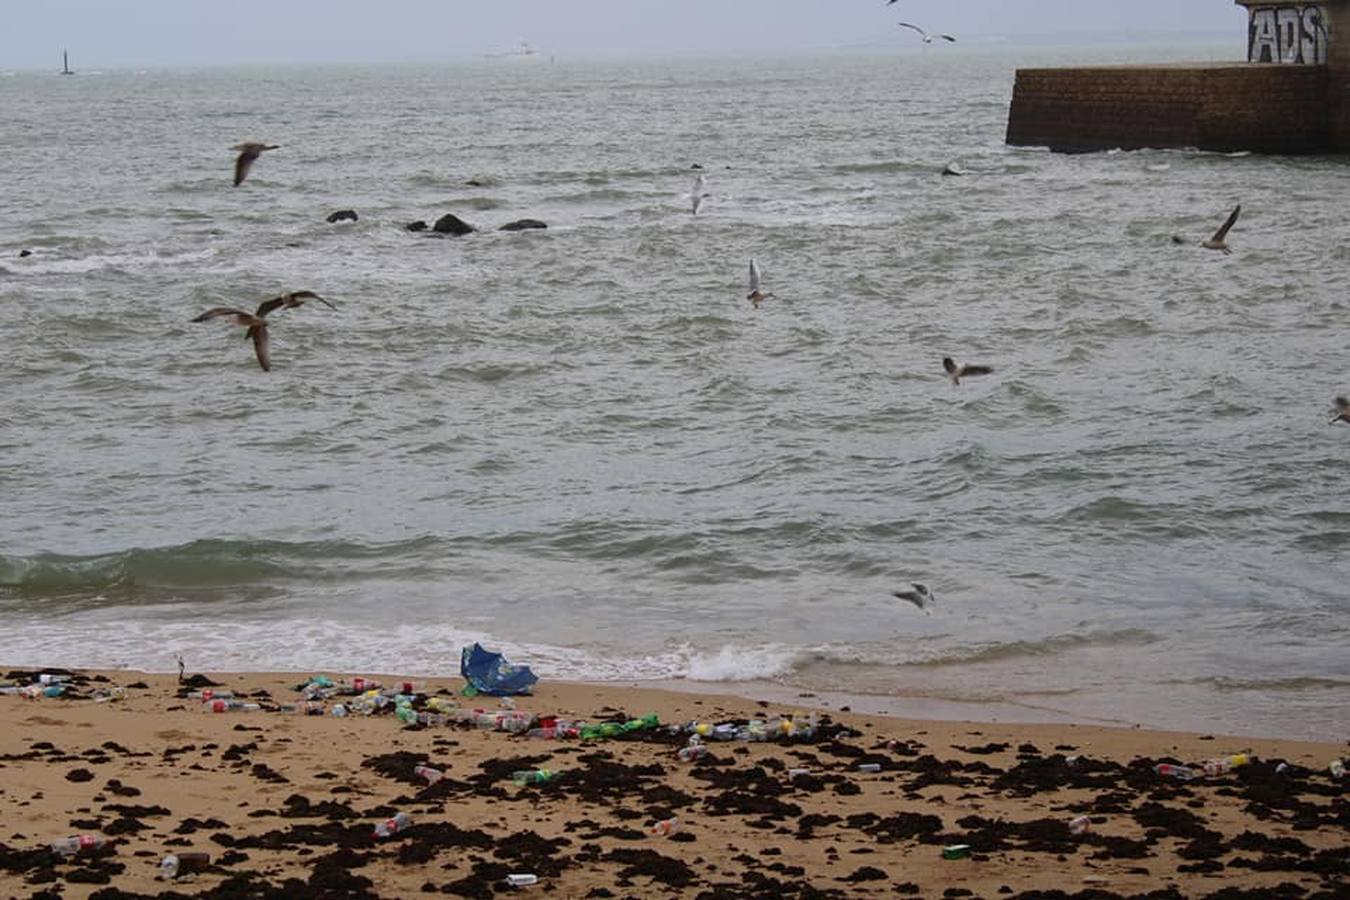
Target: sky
<point>116,33</point>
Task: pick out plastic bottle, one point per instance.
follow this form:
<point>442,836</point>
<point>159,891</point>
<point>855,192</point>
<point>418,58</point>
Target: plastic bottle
<point>221,706</point>
<point>339,710</point>
<point>406,714</point>
<point>724,732</point>
<point>869,767</point>
<point>46,678</point>
<point>210,694</point>
<point>522,880</point>
<point>665,828</point>
<point>795,773</point>
<point>428,774</point>
<point>692,752</point>
<point>400,822</point>
<point>432,719</point>
<point>1224,764</point>
<point>531,776</point>
<point>69,846</point>
<point>1167,770</point>
<point>1080,825</point>
<point>1337,769</point>
<point>176,864</point>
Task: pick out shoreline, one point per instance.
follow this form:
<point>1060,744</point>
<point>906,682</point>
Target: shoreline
<point>287,803</point>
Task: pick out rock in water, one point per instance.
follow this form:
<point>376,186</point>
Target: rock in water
<point>343,215</point>
<point>23,253</point>
<point>522,225</point>
<point>419,225</point>
<point>451,224</point>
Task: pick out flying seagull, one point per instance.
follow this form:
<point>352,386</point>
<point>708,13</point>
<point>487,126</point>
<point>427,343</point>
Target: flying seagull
<point>256,322</point>
<point>956,373</point>
<point>248,152</point>
<point>927,38</point>
<point>697,193</point>
<point>1217,242</point>
<point>756,296</point>
<point>921,597</point>
<point>1342,411</point>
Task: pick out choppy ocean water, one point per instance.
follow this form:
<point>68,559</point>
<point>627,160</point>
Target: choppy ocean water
<point>582,445</point>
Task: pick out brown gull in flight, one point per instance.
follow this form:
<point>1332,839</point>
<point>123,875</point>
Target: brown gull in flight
<point>1218,242</point>
<point>256,322</point>
<point>248,152</point>
<point>956,373</point>
<point>1342,411</point>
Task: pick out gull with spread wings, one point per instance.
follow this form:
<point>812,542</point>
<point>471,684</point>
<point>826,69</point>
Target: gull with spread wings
<point>1219,241</point>
<point>248,152</point>
<point>927,38</point>
<point>956,373</point>
<point>1342,412</point>
<point>256,322</point>
<point>756,296</point>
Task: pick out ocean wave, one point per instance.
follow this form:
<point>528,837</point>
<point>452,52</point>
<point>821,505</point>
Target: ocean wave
<point>198,565</point>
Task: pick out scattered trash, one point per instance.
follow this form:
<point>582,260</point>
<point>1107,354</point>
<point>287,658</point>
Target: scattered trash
<point>796,773</point>
<point>400,822</point>
<point>522,880</point>
<point>209,694</point>
<point>1167,770</point>
<point>69,846</point>
<point>1224,764</point>
<point>428,774</point>
<point>176,864</point>
<point>109,695</point>
<point>339,710</point>
<point>222,706</point>
<point>532,776</point>
<point>869,767</point>
<point>665,828</point>
<point>956,851</point>
<point>1337,769</point>
<point>490,673</point>
<point>1080,825</point>
<point>1282,768</point>
<point>692,752</point>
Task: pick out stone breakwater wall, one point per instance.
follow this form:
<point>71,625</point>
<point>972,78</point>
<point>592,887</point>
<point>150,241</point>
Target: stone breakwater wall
<point>1211,106</point>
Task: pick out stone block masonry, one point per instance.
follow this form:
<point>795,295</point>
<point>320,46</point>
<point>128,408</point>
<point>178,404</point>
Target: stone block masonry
<point>1297,102</point>
<point>1224,106</point>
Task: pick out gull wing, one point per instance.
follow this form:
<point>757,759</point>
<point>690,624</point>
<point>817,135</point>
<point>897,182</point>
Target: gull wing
<point>947,37</point>
<point>966,371</point>
<point>915,27</point>
<point>1343,404</point>
<point>1223,229</point>
<point>244,162</point>
<point>259,335</point>
<point>267,306</point>
<point>218,311</point>
<point>754,275</point>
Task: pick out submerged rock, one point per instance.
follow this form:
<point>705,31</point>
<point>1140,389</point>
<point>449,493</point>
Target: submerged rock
<point>23,253</point>
<point>343,215</point>
<point>419,225</point>
<point>452,224</point>
<point>522,225</point>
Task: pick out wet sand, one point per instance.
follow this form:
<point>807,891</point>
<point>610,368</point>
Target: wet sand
<point>286,804</point>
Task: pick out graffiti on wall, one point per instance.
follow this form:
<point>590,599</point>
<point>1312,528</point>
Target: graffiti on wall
<point>1293,33</point>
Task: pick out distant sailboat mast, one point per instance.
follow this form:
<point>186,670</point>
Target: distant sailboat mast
<point>65,63</point>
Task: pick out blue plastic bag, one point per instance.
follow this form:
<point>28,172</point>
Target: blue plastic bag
<point>490,673</point>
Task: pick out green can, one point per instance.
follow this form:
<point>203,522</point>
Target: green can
<point>956,851</point>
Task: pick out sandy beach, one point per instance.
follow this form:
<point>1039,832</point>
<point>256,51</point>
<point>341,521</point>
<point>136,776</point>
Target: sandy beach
<point>286,804</point>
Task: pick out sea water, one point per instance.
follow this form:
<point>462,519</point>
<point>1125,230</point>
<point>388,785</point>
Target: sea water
<point>582,446</point>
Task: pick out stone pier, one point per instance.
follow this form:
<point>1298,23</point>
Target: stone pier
<point>1291,93</point>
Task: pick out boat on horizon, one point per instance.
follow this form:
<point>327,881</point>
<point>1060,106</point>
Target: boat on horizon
<point>522,51</point>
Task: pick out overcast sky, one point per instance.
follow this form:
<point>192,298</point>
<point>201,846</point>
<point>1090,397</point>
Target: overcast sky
<point>110,33</point>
